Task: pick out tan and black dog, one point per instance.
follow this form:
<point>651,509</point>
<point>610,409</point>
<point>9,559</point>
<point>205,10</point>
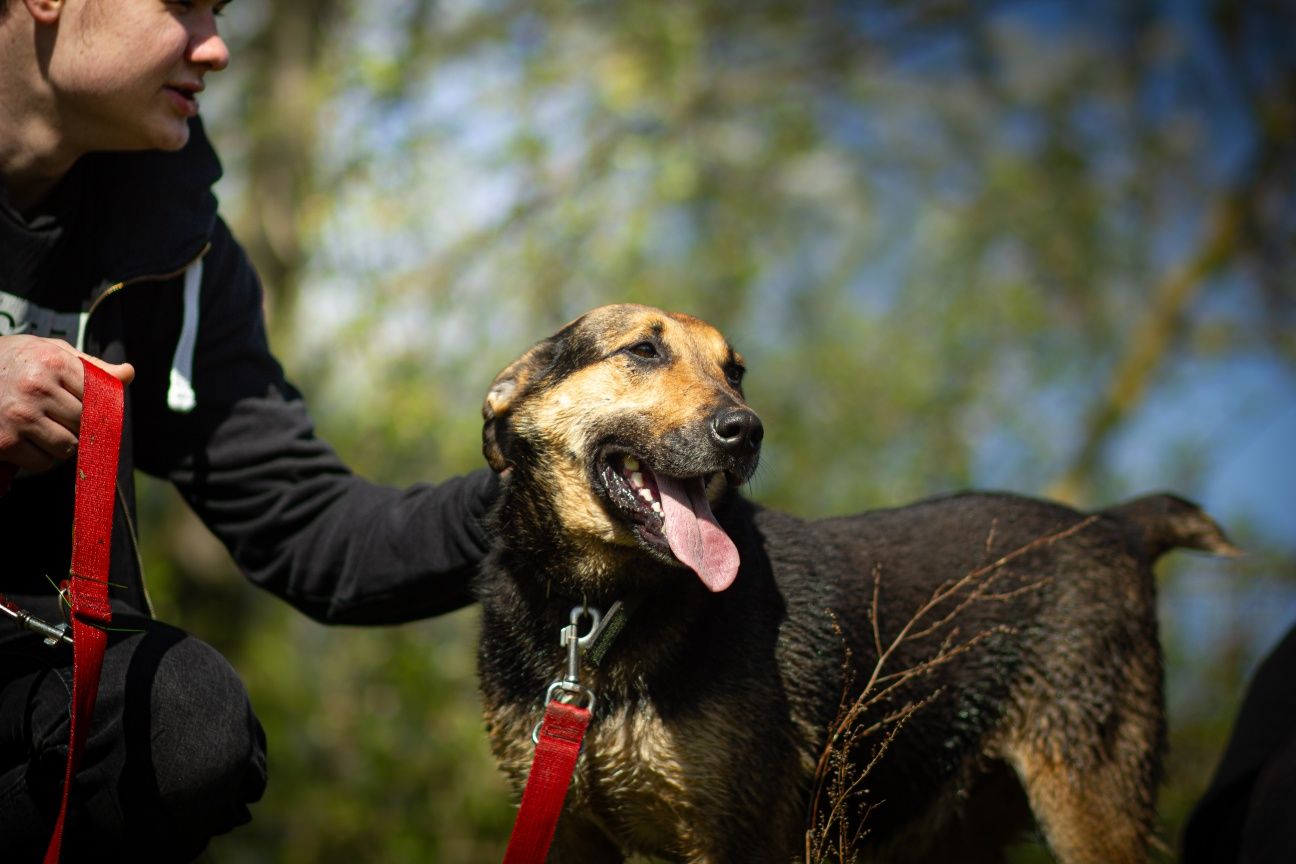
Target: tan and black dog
<point>1022,673</point>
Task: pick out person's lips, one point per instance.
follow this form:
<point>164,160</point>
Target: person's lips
<point>184,96</point>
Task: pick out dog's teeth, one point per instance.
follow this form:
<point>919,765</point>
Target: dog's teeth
<point>647,495</point>
<point>656,507</point>
<point>631,463</point>
<point>637,479</point>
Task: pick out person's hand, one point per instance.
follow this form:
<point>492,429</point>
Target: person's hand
<point>41,383</point>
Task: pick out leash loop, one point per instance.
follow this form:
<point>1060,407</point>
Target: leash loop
<point>569,690</point>
<point>569,693</point>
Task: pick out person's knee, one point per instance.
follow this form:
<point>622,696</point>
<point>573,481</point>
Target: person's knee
<point>176,755</point>
<point>206,745</point>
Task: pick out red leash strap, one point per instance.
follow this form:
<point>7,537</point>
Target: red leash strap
<point>552,767</point>
<point>96,485</point>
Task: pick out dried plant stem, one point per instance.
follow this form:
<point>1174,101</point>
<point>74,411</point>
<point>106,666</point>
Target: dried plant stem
<point>837,776</point>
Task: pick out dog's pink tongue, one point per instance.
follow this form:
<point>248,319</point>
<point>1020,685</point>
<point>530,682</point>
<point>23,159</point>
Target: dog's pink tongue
<point>693,533</point>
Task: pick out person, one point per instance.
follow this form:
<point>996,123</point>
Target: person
<point>1246,814</point>
<point>112,248</point>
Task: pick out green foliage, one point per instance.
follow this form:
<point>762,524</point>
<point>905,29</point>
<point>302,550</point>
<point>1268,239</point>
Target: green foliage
<point>413,780</point>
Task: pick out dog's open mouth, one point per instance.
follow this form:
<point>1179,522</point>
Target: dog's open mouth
<point>672,512</point>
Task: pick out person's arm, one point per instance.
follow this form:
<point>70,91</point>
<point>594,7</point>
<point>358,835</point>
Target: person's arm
<point>294,517</point>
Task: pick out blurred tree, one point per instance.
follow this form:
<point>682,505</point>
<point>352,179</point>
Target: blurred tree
<point>959,243</point>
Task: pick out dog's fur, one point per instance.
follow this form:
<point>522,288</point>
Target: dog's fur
<point>713,707</point>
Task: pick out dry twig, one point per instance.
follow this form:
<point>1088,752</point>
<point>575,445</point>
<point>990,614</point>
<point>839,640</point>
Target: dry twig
<point>838,791</point>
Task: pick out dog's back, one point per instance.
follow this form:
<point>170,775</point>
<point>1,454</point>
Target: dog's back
<point>1013,634</point>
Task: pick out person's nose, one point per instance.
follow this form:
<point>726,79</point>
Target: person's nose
<point>207,48</point>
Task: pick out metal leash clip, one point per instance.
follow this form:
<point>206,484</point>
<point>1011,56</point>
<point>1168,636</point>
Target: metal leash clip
<point>53,633</point>
<point>568,689</point>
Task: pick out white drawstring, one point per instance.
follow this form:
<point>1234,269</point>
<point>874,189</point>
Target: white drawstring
<point>180,396</point>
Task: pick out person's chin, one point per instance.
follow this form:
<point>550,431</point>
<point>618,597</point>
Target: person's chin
<point>171,136</point>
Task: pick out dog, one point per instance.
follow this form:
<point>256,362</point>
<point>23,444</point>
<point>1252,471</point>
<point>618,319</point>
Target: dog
<point>912,684</point>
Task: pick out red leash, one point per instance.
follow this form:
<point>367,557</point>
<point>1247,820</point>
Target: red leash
<point>558,745</point>
<point>557,750</point>
<point>96,485</point>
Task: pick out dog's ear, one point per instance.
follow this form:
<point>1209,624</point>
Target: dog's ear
<point>505,392</point>
<point>551,359</point>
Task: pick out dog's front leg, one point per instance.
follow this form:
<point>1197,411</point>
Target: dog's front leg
<point>579,841</point>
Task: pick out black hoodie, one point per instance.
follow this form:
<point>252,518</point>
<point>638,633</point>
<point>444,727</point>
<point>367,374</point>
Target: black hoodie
<point>209,409</point>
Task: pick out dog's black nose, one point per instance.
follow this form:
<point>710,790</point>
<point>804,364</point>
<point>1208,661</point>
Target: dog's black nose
<point>738,430</point>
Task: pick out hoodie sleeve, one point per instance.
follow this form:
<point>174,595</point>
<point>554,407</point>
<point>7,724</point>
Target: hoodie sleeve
<point>246,458</point>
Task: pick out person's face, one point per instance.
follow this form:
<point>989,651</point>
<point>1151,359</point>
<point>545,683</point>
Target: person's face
<point>127,72</point>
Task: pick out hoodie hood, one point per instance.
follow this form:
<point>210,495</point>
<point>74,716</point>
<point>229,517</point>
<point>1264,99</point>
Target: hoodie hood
<point>127,215</point>
<point>154,210</point>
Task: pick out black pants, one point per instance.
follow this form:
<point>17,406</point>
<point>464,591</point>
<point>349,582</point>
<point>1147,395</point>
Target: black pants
<point>174,755</point>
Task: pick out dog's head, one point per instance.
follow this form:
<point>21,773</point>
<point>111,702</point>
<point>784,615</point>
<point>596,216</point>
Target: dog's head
<point>625,426</point>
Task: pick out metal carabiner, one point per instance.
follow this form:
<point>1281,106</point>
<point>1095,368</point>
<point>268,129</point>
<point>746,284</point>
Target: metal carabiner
<point>575,644</point>
<point>568,689</point>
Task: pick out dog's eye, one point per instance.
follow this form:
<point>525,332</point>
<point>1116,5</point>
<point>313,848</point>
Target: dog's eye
<point>646,350</point>
<point>734,375</point>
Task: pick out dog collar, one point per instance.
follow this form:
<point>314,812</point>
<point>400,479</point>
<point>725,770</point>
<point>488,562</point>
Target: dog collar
<point>609,628</point>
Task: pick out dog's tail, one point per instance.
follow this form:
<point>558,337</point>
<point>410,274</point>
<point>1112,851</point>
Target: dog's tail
<point>1159,523</point>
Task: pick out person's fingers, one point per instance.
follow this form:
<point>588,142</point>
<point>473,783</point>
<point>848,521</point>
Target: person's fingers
<point>30,457</point>
<point>73,376</point>
<point>52,364</point>
<point>41,410</point>
<point>58,396</point>
<point>55,438</point>
<point>123,372</point>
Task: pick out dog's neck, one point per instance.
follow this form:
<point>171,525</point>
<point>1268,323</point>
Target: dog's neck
<point>666,605</point>
<point>527,597</point>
